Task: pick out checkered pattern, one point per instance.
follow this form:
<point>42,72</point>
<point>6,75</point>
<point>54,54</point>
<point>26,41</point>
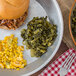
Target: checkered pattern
<point>53,69</point>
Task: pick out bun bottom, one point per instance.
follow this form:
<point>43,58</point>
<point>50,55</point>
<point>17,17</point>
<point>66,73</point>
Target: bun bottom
<point>13,24</point>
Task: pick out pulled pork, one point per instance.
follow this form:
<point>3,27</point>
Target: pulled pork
<point>13,23</point>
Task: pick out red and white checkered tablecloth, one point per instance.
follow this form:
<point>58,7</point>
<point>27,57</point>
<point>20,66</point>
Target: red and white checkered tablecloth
<point>53,69</point>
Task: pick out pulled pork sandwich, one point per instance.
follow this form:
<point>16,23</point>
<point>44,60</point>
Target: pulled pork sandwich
<point>13,13</point>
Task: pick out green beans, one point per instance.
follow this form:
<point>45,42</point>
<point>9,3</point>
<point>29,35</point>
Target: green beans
<point>73,20</point>
<point>39,35</point>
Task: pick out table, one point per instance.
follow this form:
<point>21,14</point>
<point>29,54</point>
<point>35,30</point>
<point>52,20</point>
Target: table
<point>62,49</point>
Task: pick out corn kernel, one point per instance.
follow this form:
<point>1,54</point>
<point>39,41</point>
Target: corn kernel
<point>11,53</point>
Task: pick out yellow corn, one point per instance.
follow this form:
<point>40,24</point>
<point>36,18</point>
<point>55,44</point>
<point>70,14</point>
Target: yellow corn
<point>11,56</point>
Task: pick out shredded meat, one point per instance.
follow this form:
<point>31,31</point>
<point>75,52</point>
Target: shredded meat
<point>13,23</point>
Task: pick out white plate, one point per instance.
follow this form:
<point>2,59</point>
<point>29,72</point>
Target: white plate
<point>35,64</point>
<point>35,9</point>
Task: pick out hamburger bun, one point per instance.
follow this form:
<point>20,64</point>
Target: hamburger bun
<point>13,9</point>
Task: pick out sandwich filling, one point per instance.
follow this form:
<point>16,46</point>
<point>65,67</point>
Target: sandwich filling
<point>12,23</point>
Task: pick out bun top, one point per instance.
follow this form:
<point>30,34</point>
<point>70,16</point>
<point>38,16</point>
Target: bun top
<point>13,9</point>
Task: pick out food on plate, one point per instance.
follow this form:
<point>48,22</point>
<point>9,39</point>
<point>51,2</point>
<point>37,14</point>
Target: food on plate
<point>39,35</point>
<point>11,55</point>
<point>73,20</point>
<point>13,13</point>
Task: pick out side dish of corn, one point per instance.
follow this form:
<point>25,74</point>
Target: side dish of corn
<point>11,55</point>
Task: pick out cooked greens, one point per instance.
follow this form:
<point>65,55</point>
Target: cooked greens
<point>39,35</point>
<point>73,18</point>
